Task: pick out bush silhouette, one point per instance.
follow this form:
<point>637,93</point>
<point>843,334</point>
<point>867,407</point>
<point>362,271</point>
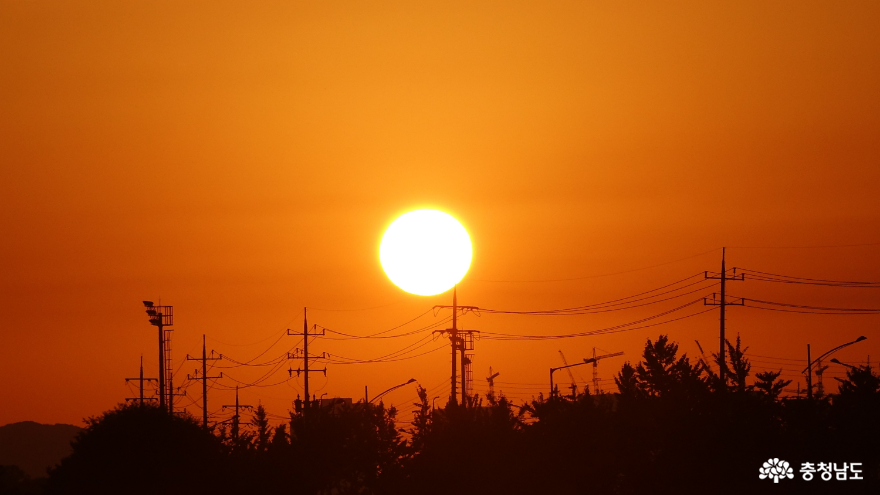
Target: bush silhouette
<point>140,449</point>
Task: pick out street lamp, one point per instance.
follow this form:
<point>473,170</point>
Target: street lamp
<point>809,368</point>
<point>432,403</point>
<point>835,361</point>
<point>392,388</point>
<point>586,361</point>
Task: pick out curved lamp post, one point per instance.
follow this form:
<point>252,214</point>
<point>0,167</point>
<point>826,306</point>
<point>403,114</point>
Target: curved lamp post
<point>809,367</point>
<point>411,380</point>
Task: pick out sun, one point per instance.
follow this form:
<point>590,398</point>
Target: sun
<point>425,252</point>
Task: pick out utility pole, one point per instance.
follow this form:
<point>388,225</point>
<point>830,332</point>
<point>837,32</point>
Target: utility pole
<point>141,379</point>
<point>235,418</point>
<point>305,369</point>
<point>722,302</point>
<point>460,344</point>
<point>171,395</point>
<point>204,378</point>
<point>160,316</point>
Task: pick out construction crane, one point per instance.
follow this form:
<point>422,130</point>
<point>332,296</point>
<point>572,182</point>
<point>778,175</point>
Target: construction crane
<point>703,356</point>
<point>573,385</point>
<point>820,370</point>
<point>595,360</point>
<point>491,380</point>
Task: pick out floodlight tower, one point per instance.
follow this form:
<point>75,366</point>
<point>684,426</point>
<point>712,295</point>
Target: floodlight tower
<point>160,316</point>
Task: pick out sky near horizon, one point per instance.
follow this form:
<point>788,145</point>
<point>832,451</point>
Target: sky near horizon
<point>241,160</point>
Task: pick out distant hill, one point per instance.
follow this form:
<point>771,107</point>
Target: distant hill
<point>33,447</point>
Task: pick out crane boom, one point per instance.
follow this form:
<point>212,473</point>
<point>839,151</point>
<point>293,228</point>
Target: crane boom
<point>595,360</point>
<point>591,360</point>
<point>573,386</point>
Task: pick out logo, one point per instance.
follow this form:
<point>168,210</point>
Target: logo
<point>776,469</point>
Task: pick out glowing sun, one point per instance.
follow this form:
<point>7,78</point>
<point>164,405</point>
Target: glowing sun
<point>425,252</point>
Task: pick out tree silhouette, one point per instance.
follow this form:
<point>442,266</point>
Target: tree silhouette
<point>674,427</point>
<point>769,384</point>
<point>263,433</point>
<point>140,449</point>
<point>860,382</point>
<point>14,481</point>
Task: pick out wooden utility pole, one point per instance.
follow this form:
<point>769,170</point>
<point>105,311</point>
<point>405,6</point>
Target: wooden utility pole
<point>305,369</point>
<point>204,378</point>
<point>723,303</point>
<point>236,418</point>
<point>141,379</point>
<point>458,345</point>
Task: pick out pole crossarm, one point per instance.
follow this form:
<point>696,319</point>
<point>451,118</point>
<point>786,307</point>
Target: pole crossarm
<point>296,355</point>
<point>718,276</point>
<point>196,376</point>
<point>190,358</point>
<point>715,301</point>
<point>298,371</point>
<point>312,334</point>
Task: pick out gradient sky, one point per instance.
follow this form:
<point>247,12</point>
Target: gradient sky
<point>240,160</point>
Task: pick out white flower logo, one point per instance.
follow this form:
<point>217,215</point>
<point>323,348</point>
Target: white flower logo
<point>774,468</point>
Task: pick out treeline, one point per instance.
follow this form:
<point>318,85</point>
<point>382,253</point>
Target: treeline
<point>674,427</point>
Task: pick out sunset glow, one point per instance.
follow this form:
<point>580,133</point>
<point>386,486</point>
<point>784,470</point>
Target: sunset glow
<point>425,252</point>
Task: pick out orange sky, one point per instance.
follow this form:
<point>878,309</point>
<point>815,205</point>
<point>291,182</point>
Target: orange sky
<point>240,160</point>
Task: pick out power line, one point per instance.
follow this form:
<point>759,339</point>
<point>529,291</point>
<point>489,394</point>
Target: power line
<point>634,325</point>
<point>612,303</point>
<point>801,308</point>
<point>602,275</point>
<point>789,279</point>
<point>807,247</point>
<point>377,334</point>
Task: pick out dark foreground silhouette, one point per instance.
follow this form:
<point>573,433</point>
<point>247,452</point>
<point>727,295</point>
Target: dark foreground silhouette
<point>34,447</point>
<point>674,427</point>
